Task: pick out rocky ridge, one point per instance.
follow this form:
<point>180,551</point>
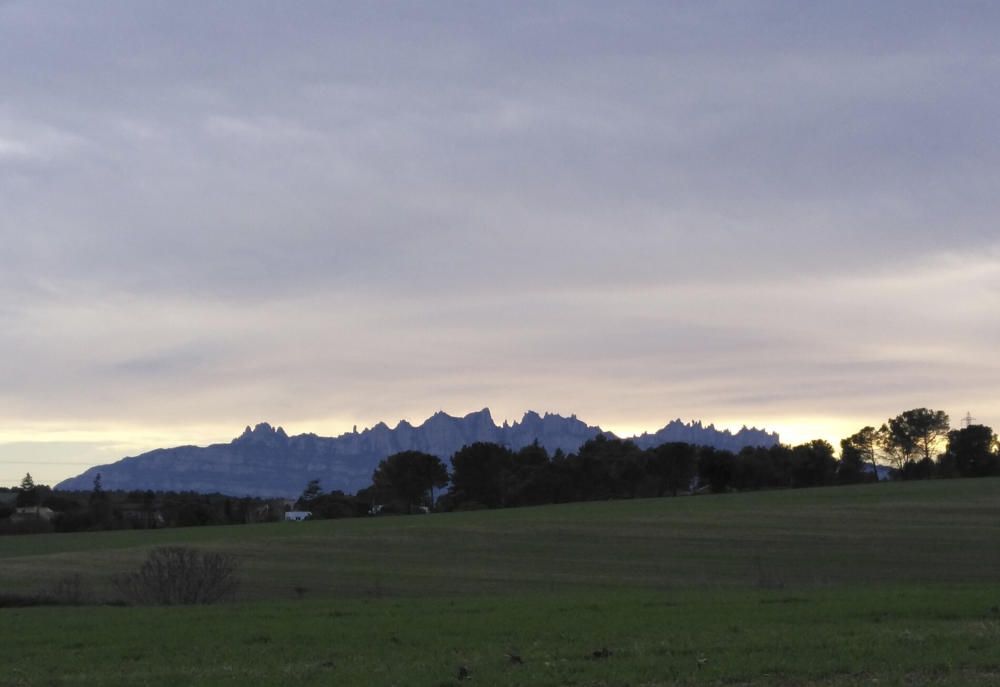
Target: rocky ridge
<point>265,461</point>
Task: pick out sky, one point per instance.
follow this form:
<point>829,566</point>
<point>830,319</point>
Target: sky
<point>322,215</point>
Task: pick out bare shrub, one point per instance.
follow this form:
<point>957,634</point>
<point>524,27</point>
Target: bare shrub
<point>69,590</point>
<point>174,575</point>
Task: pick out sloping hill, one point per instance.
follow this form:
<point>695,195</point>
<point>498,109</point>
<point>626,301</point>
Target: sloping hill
<point>918,532</point>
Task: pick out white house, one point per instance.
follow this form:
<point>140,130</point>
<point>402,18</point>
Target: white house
<point>295,515</point>
<point>33,513</point>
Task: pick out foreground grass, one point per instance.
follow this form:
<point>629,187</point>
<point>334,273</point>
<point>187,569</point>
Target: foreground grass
<point>881,584</point>
<point>907,636</point>
<point>929,532</point>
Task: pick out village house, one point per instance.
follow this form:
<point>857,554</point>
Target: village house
<point>27,513</point>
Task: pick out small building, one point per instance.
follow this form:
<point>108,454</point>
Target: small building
<point>143,516</point>
<point>33,513</point>
<point>296,515</point>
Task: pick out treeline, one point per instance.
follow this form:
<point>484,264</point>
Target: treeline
<point>484,475</point>
<point>916,444</point>
<point>39,509</point>
<point>910,445</point>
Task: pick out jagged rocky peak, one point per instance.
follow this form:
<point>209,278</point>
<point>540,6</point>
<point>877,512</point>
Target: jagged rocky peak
<point>549,418</point>
<point>530,418</point>
<point>262,432</point>
<point>263,460</point>
<point>437,418</point>
<point>482,417</point>
<point>443,417</point>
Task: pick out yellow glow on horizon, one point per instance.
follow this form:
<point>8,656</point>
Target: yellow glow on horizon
<point>792,430</point>
<point>104,443</point>
<point>116,435</point>
<point>799,430</point>
<point>148,437</point>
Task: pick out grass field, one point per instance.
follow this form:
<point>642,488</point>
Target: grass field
<point>877,584</point>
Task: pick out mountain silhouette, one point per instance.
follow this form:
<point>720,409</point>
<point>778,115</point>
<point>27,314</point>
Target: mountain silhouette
<point>265,461</point>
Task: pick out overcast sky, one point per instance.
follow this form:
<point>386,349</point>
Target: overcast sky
<point>328,214</point>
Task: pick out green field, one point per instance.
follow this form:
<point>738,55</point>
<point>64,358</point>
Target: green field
<point>879,584</point>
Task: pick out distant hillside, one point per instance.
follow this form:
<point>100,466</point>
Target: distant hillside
<point>265,461</point>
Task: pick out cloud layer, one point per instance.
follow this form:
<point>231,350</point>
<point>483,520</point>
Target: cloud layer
<point>317,215</point>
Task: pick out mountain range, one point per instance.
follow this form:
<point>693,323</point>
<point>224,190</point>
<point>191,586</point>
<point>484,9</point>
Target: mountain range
<point>265,461</point>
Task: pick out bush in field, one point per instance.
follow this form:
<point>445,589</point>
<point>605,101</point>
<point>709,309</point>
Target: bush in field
<point>69,591</point>
<point>174,575</point>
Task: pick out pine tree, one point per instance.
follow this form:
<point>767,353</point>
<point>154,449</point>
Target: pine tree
<point>27,494</point>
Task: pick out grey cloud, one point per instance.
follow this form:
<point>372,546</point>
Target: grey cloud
<point>320,209</point>
<point>340,150</point>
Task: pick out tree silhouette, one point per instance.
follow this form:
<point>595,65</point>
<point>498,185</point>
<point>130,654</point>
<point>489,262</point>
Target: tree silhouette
<point>914,434</point>
<point>411,476</point>
<point>100,504</point>
<point>859,449</point>
<point>814,464</point>
<point>715,468</point>
<point>312,491</point>
<point>972,451</point>
<point>672,466</point>
<point>482,473</point>
<point>27,493</point>
<point>533,479</point>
